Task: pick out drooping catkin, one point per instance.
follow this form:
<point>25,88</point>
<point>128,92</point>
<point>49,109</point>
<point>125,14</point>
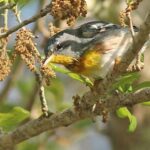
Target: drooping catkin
<point>68,10</point>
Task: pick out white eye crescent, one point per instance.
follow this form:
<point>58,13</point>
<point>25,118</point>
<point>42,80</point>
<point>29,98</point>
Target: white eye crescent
<point>57,43</point>
<point>50,48</point>
<point>94,27</point>
<point>58,46</point>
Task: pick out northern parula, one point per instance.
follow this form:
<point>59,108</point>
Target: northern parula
<point>90,49</point>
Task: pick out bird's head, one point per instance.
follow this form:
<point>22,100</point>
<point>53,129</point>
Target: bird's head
<point>61,48</point>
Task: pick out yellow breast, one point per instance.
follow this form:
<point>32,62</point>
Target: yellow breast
<point>88,64</point>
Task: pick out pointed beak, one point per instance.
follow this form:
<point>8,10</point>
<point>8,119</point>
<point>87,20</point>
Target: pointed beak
<point>49,59</point>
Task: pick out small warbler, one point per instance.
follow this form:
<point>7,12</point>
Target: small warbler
<point>90,49</point>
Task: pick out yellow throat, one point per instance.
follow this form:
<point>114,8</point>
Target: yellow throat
<point>87,64</point>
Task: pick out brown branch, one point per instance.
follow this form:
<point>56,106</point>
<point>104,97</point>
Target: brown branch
<point>42,13</point>
<point>67,117</point>
<point>135,48</point>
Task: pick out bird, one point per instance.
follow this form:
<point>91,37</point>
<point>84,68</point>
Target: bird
<point>90,49</point>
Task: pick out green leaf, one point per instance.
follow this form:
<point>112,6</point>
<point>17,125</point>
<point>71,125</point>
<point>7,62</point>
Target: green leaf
<point>6,1</point>
<point>124,84</point>
<point>127,88</point>
<point>72,75</point>
<point>133,124</point>
<point>142,85</point>
<point>123,112</point>
<point>129,78</point>
<point>146,103</point>
<point>12,118</point>
<point>21,3</point>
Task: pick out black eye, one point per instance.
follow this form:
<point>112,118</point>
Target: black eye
<point>58,46</point>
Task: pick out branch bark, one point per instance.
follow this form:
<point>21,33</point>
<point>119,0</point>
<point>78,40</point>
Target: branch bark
<point>67,117</point>
<point>42,13</point>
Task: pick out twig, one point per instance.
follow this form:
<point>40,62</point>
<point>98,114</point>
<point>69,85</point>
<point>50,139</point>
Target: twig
<point>17,13</point>
<point>6,17</point>
<point>43,101</point>
<point>8,6</point>
<point>140,40</point>
<point>38,75</point>
<point>131,25</point>
<point>42,13</point>
<point>33,94</point>
<point>44,106</point>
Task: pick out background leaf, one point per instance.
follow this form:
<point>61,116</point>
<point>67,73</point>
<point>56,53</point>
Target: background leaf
<point>75,76</point>
<point>12,118</point>
<point>142,85</point>
<point>146,103</point>
<point>128,78</point>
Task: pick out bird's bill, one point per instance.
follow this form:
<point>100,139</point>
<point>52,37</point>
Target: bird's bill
<point>59,59</point>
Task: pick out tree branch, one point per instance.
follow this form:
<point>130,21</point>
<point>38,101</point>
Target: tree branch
<point>42,13</point>
<point>69,116</point>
